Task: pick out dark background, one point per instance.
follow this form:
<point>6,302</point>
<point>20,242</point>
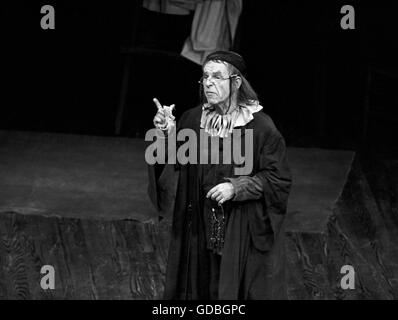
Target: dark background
<point>319,83</point>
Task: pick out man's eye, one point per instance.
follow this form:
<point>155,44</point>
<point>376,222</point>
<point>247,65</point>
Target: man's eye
<point>217,77</point>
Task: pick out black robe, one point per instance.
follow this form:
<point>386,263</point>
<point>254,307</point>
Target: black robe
<point>251,227</point>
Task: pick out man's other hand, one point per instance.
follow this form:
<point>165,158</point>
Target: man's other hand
<point>221,192</point>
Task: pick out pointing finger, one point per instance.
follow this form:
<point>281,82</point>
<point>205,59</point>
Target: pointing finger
<point>157,104</point>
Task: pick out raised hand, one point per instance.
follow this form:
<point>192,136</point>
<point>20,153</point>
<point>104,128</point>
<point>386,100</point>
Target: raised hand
<point>163,115</point>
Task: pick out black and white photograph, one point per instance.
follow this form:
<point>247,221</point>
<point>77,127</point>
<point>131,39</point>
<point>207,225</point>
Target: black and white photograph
<point>216,151</point>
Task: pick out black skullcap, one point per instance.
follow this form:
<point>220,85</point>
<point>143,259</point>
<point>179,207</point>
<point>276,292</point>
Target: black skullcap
<point>228,56</point>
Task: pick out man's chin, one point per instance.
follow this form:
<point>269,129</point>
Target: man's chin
<point>212,101</point>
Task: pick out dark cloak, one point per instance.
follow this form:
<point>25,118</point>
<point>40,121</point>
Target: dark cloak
<point>251,228</point>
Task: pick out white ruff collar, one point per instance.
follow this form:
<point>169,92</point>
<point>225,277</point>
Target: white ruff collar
<point>221,125</point>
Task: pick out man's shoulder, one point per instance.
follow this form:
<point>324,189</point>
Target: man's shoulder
<point>262,121</point>
<point>265,129</point>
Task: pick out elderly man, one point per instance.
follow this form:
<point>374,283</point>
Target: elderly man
<point>223,224</point>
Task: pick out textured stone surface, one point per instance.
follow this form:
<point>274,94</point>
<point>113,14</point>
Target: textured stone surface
<point>93,259</point>
<point>359,232</point>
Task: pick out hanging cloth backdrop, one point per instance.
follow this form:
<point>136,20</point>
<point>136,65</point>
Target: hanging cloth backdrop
<point>213,28</point>
<point>179,7</point>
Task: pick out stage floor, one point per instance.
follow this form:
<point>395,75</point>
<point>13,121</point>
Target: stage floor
<point>89,177</point>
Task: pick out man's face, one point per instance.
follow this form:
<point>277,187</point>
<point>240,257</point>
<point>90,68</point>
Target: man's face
<point>216,86</point>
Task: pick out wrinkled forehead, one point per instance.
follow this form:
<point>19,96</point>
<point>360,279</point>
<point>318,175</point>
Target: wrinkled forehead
<point>213,67</point>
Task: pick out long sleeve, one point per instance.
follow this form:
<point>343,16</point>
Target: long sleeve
<point>273,180</point>
<point>275,174</point>
<point>271,183</point>
<point>247,188</point>
<point>163,178</point>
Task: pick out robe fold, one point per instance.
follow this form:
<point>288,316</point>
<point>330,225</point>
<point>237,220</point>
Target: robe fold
<point>253,221</point>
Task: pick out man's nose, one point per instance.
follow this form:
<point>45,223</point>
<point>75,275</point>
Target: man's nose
<point>208,82</point>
